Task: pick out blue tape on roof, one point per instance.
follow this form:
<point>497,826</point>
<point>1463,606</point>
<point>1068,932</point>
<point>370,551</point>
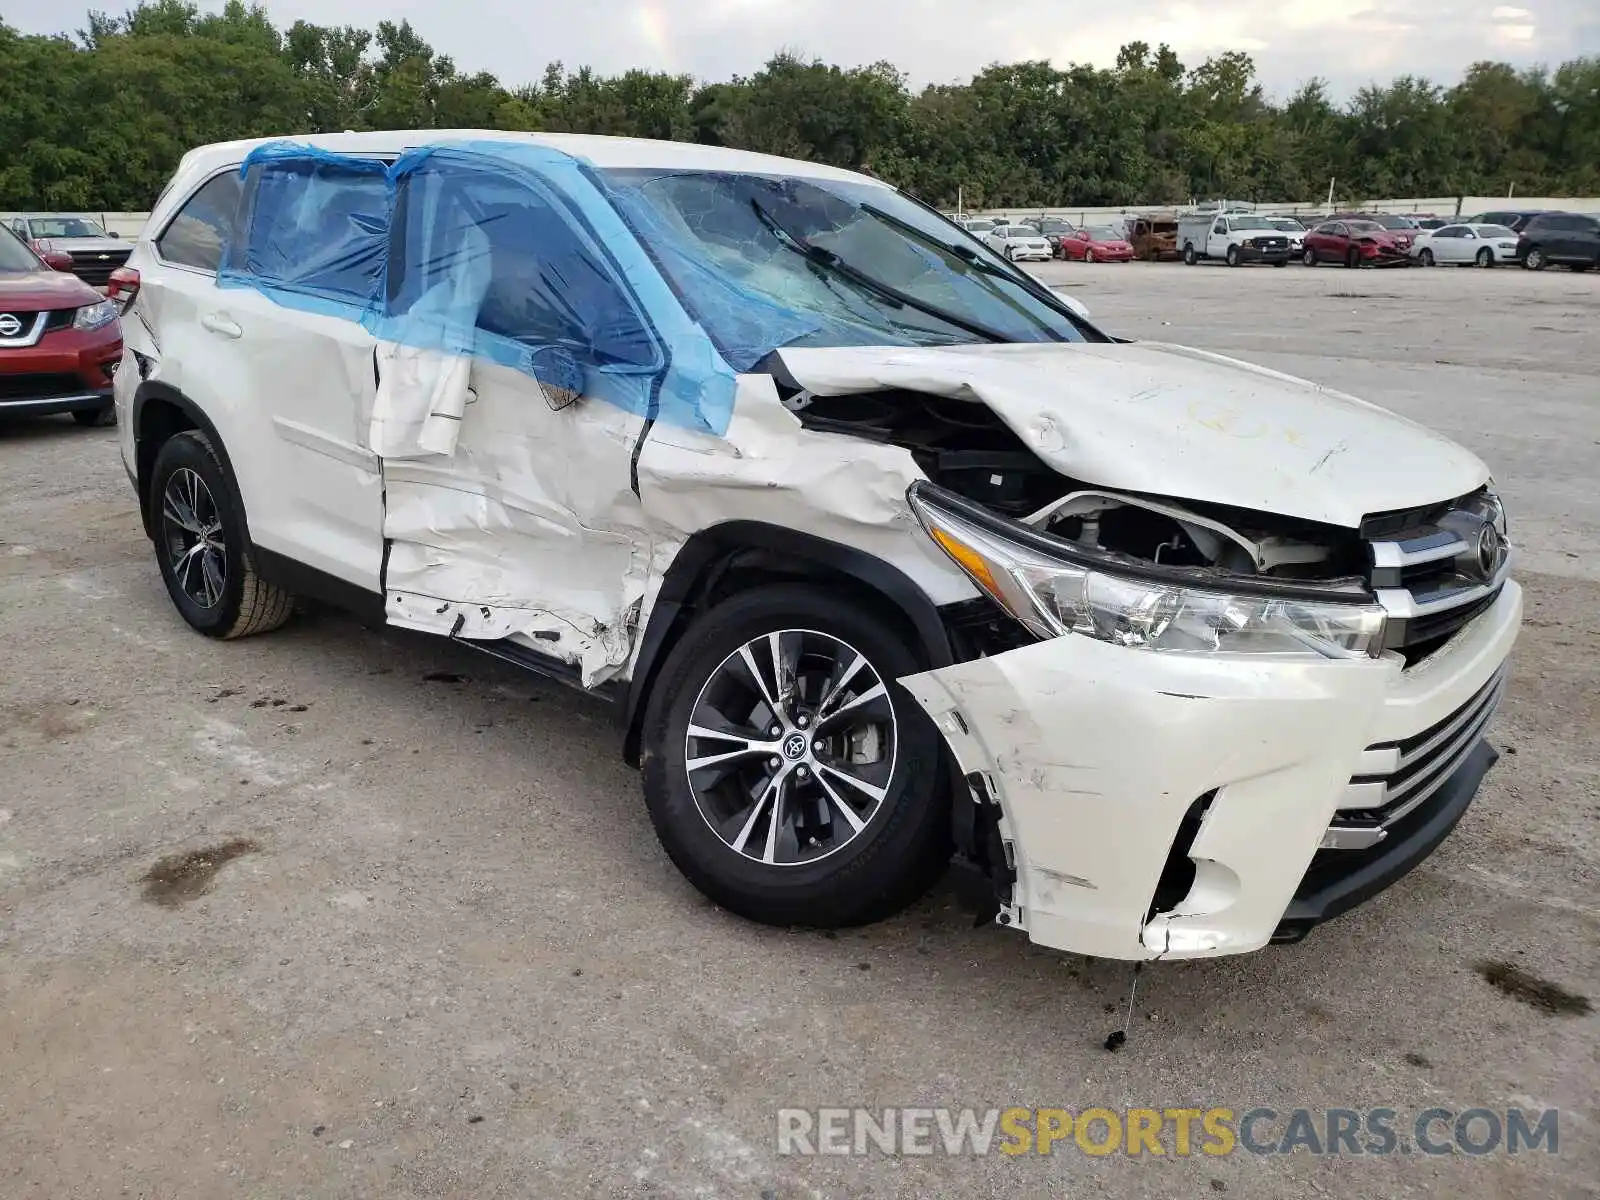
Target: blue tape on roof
<point>510,252</point>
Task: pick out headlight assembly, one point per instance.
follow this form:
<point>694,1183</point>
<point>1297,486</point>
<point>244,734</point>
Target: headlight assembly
<point>92,316</point>
<point>1053,595</point>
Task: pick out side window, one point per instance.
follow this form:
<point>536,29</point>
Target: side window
<point>1451,231</point>
<point>315,225</point>
<point>204,225</point>
<point>1220,227</point>
<point>537,279</point>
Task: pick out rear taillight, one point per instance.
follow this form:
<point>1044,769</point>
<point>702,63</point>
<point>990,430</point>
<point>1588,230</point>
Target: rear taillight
<point>122,287</point>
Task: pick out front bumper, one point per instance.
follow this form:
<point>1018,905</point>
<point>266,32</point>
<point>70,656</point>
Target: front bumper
<point>1255,254</point>
<point>66,370</point>
<point>1117,771</point>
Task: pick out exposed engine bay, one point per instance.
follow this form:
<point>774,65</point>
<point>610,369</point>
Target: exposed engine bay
<point>965,447</point>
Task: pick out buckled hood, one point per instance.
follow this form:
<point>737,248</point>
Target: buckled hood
<point>1169,420</point>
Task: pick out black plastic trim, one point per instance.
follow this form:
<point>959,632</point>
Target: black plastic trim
<point>315,584</point>
<point>697,565</point>
<point>1336,592</point>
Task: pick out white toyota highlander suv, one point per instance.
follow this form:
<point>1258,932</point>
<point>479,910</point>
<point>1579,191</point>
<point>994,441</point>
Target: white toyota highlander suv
<point>884,552</point>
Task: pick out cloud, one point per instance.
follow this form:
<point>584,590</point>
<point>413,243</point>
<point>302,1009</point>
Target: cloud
<point>945,40</point>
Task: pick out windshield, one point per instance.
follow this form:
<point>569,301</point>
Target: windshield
<point>1287,224</point>
<point>14,256</point>
<point>1104,233</point>
<point>1364,226</point>
<point>64,227</point>
<point>1495,231</point>
<point>1393,222</point>
<point>723,241</point>
<point>1053,225</point>
<point>1251,223</point>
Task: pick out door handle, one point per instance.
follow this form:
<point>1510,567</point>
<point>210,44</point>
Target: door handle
<point>219,324</point>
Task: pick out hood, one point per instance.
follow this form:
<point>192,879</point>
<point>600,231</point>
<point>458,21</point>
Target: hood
<point>1171,421</point>
<point>31,291</point>
<point>88,245</point>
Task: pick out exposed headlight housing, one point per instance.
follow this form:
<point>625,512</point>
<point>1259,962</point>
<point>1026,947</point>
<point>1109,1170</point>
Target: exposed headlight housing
<point>1052,589</point>
<point>93,316</point>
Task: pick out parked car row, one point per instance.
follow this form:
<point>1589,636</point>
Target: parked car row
<point>1532,238</point>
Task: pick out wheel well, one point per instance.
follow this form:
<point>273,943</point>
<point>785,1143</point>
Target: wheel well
<point>725,560</point>
<point>160,413</point>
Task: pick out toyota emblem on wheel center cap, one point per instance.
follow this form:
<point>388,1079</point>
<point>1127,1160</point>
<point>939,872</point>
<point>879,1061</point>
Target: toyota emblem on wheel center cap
<point>794,746</point>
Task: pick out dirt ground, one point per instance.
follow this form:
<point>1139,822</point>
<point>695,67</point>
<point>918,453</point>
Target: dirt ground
<point>335,913</point>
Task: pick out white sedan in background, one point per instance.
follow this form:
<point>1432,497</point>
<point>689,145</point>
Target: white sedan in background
<point>1020,243</point>
<point>1465,244</point>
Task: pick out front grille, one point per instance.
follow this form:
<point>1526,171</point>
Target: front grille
<point>1436,568</point>
<point>94,267</point>
<point>39,387</point>
<point>1406,773</point>
<point>59,318</point>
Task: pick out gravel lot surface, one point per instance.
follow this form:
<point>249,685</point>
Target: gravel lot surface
<point>442,954</point>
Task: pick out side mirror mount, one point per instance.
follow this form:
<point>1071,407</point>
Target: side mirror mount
<point>113,234</point>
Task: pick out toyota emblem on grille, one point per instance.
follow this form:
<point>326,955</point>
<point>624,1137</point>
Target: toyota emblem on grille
<point>10,326</point>
<point>1491,550</point>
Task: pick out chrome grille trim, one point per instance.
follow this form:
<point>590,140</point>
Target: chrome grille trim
<point>1426,761</point>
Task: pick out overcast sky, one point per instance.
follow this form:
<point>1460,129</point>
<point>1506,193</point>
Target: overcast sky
<point>1350,43</point>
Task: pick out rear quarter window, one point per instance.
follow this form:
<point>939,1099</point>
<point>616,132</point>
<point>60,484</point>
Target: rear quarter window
<point>204,225</point>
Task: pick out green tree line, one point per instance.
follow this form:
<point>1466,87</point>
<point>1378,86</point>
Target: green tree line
<point>99,120</point>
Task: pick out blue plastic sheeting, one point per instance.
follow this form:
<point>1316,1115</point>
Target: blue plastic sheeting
<point>506,251</point>
<point>317,228</point>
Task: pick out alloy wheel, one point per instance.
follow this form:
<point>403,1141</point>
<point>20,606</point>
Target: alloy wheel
<point>191,533</point>
<point>791,747</point>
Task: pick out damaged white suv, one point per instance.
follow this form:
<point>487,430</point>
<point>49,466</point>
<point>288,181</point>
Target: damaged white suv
<point>884,552</point>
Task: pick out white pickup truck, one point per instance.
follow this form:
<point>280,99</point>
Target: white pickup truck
<point>1236,238</point>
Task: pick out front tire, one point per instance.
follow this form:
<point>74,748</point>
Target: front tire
<point>203,547</point>
<point>1232,256</point>
<point>839,817</point>
<point>1309,257</point>
<point>1484,257</point>
<point>1352,260</point>
<point>1426,258</point>
<point>1535,260</point>
<point>1088,256</point>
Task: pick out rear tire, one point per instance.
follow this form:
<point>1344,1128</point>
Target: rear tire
<point>790,876</point>
<point>203,547</point>
<point>1352,260</point>
<point>96,418</point>
<point>1189,256</point>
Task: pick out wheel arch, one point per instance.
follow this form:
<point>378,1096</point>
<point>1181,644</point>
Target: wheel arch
<point>734,555</point>
<point>159,413</point>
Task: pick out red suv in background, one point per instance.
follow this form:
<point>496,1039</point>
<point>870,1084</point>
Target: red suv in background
<point>1355,242</point>
<point>60,340</point>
